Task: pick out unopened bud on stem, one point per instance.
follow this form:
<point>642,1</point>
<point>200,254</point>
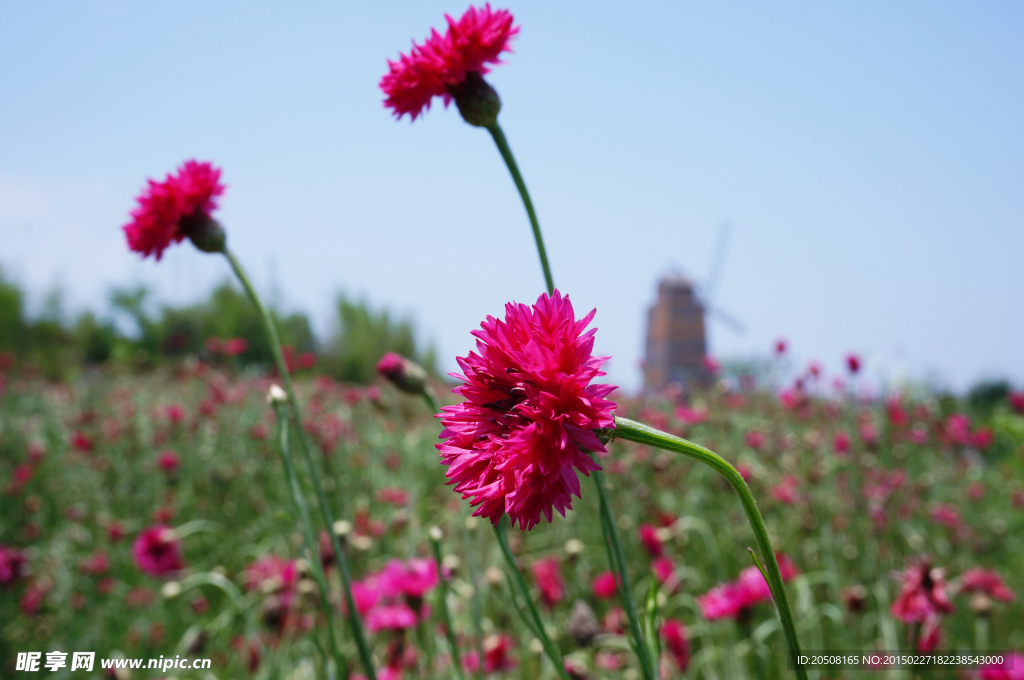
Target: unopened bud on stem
<point>406,375</point>
<point>478,102</point>
<point>205,232</point>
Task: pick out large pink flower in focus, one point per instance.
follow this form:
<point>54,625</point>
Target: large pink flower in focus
<point>157,551</point>
<point>442,61</point>
<point>166,208</point>
<point>514,445</point>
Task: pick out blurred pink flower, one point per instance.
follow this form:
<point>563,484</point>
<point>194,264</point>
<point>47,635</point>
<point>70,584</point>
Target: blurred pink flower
<point>157,551</point>
<point>604,586</point>
<point>691,416</point>
<point>1003,671</point>
<point>946,515</point>
<point>712,365</point>
<point>676,642</point>
<point>957,429</point>
<point>517,441</point>
<point>548,575</point>
<point>13,566</point>
<point>988,582</point>
<point>780,347</point>
<point>786,491</point>
<point>663,569</point>
<point>650,541</point>
<point>754,439</point>
<point>981,438</point>
<point>168,209</point>
<point>414,578</point>
<point>443,61</point>
<point>393,496</point>
<point>1017,401</point>
<point>272,574</point>
<point>168,461</point>
<point>853,363</point>
<point>730,599</point>
<point>841,443</point>
<point>497,656</point>
<point>390,617</point>
<point>923,594</point>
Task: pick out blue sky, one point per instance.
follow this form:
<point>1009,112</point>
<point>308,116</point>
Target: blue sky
<point>869,157</point>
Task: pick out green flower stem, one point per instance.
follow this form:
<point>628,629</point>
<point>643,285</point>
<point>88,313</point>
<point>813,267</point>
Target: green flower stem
<point>510,161</point>
<point>307,531</point>
<point>471,545</point>
<point>633,431</point>
<point>435,543</point>
<point>355,624</point>
<point>617,561</point>
<point>533,622</point>
<point>431,398</point>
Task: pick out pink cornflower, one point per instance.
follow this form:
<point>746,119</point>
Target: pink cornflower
<point>548,575</point>
<point>168,461</point>
<point>1003,671</point>
<point>13,564</point>
<point>780,347</point>
<point>650,541</point>
<point>853,363</point>
<point>663,569</point>
<point>923,594</point>
<point>691,416</point>
<point>157,551</point>
<point>414,578</point>
<point>390,617</point>
<point>947,515</point>
<point>841,443</point>
<point>393,496</point>
<point>367,593</point>
<point>731,599</point>
<point>754,440</point>
<point>787,490</point>
<point>169,211</point>
<point>272,574</point>
<point>676,642</point>
<point>444,62</point>
<point>604,586</point>
<point>988,582</point>
<point>1017,401</point>
<point>496,655</point>
<point>517,441</point>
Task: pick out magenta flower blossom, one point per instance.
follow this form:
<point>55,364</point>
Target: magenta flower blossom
<point>604,586</point>
<point>650,541</point>
<point>413,578</point>
<point>548,575</point>
<point>169,211</point>
<point>729,600</point>
<point>443,61</point>
<point>13,564</point>
<point>157,551</point>
<point>390,617</point>
<point>988,582</point>
<point>516,442</point>
<point>676,642</point>
<point>923,595</point>
<point>1010,669</point>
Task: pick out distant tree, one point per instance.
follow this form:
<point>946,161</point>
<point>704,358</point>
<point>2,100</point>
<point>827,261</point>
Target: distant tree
<point>364,336</point>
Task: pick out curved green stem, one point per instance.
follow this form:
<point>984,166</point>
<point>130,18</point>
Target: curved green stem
<point>510,161</point>
<point>307,532</point>
<point>355,624</point>
<point>536,625</point>
<point>617,560</point>
<point>633,431</point>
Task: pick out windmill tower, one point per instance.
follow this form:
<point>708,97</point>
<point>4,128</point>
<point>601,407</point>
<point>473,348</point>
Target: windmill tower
<point>676,332</point>
<point>676,341</point>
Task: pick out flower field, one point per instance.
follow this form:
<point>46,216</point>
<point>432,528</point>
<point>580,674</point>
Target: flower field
<point>853,494</point>
<point>206,499</point>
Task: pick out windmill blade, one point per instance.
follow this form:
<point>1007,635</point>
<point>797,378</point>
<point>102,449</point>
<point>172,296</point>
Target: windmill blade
<point>726,319</point>
<point>718,262</point>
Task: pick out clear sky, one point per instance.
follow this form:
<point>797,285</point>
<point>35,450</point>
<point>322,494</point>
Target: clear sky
<point>869,157</point>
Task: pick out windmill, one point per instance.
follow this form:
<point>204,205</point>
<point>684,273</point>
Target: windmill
<point>676,333</point>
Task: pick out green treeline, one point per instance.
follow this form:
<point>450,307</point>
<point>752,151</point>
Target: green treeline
<point>138,334</point>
